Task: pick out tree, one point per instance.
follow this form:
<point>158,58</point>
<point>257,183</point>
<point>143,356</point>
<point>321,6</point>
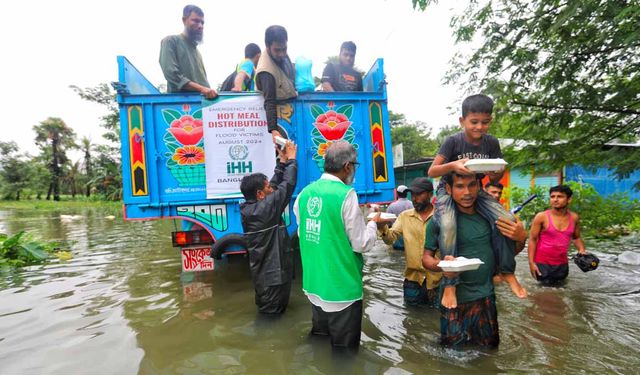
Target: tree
<point>106,165</point>
<point>446,132</point>
<point>72,177</point>
<point>564,73</point>
<point>415,138</point>
<point>102,94</point>
<point>397,119</point>
<point>107,173</point>
<point>14,171</point>
<point>415,143</point>
<point>54,137</point>
<point>40,175</point>
<point>87,147</point>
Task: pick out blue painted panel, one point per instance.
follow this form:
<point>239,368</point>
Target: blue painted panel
<point>520,178</point>
<point>604,181</point>
<point>175,191</point>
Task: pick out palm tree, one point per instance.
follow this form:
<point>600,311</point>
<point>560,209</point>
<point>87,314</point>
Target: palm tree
<point>71,178</point>
<point>86,146</point>
<point>54,137</point>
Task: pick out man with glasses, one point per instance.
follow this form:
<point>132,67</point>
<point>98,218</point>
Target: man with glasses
<point>333,236</point>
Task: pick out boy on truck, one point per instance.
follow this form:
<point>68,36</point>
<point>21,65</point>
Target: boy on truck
<point>472,143</point>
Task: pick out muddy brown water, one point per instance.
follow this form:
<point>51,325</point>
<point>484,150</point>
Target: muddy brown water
<point>122,306</point>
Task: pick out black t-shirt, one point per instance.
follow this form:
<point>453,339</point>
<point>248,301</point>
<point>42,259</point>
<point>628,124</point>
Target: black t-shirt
<point>455,147</point>
<point>342,78</point>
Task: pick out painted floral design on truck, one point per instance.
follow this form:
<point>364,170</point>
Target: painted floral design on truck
<point>329,126</point>
<point>184,140</point>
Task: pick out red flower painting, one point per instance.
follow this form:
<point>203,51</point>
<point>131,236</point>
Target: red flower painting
<point>187,130</point>
<point>189,155</point>
<point>332,125</point>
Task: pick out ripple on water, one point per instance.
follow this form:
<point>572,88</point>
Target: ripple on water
<point>120,305</point>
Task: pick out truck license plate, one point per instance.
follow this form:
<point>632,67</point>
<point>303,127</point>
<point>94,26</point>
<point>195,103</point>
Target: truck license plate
<point>197,259</point>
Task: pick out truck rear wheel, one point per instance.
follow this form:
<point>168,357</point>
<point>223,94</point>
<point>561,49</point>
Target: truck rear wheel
<point>228,241</point>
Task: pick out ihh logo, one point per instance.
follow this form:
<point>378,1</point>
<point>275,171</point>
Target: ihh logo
<point>313,225</point>
<point>239,167</point>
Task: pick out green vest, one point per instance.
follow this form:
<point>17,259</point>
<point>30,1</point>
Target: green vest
<point>331,269</point>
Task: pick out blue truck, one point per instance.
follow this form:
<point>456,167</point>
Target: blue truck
<point>163,161</point>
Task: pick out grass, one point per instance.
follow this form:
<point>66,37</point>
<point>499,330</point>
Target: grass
<point>65,203</point>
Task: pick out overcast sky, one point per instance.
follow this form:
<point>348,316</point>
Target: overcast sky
<point>49,45</point>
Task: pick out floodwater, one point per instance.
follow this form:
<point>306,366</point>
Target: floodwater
<point>122,306</point>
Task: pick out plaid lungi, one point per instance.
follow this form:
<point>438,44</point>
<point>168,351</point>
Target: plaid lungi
<point>474,322</point>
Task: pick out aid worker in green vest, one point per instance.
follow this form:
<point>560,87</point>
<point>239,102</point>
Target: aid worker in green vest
<point>333,236</point>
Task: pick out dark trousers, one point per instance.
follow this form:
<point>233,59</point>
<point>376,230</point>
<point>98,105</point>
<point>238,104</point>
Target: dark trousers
<point>342,326</point>
<point>273,299</point>
<point>552,275</point>
<point>417,294</point>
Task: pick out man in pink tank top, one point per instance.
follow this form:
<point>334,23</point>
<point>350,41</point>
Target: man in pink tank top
<point>550,237</point>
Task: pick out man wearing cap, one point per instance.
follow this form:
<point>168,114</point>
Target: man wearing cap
<point>420,285</point>
<point>401,204</point>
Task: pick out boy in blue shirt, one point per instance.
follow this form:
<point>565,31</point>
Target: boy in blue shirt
<point>472,143</point>
<point>242,78</point>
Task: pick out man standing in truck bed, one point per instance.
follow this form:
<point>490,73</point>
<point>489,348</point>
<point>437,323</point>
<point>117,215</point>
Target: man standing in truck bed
<point>180,60</point>
<point>275,75</point>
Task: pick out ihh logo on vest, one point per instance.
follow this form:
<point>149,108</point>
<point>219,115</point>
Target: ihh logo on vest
<point>312,225</point>
<point>239,166</point>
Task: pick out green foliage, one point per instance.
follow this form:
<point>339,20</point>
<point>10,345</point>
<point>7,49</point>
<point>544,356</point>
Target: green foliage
<point>106,175</point>
<point>634,226</point>
<point>422,4</point>
<point>54,138</point>
<point>539,204</point>
<point>103,94</point>
<point>22,250</point>
<point>599,216</point>
<point>602,215</point>
<point>564,75</point>
<point>66,203</point>
<point>15,171</point>
<point>446,132</point>
<point>415,143</point>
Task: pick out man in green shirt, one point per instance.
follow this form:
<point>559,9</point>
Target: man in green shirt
<point>420,286</point>
<point>474,318</point>
<point>180,59</point>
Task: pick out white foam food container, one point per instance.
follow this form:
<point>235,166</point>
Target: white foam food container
<point>460,264</point>
<point>280,141</point>
<point>486,165</point>
<point>383,216</point>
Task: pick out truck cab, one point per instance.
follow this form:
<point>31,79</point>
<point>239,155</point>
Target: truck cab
<point>163,166</point>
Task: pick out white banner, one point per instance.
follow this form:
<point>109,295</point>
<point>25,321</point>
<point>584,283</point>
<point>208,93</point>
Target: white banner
<point>398,155</point>
<point>236,143</point>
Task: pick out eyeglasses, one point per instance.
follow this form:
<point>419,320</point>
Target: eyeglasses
<point>355,163</point>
